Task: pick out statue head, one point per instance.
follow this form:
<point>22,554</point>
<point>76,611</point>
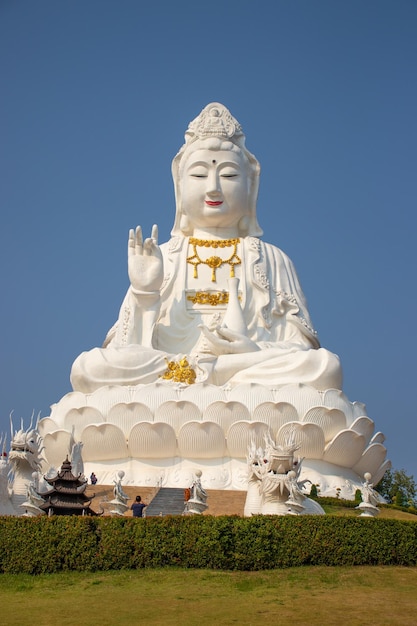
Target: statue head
<point>215,129</point>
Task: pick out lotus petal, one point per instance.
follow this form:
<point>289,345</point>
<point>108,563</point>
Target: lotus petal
<point>378,438</point>
<point>275,414</point>
<point>125,416</point>
<point>371,460</point>
<point>176,414</point>
<point>105,397</point>
<point>241,434</point>
<point>103,442</point>
<point>250,395</point>
<point>201,440</point>
<point>302,397</point>
<point>225,414</point>
<point>77,419</point>
<point>155,394</point>
<point>152,441</point>
<point>72,400</point>
<point>364,426</point>
<point>57,446</point>
<point>359,409</point>
<point>46,425</point>
<point>202,394</point>
<point>345,449</point>
<point>331,421</point>
<point>310,437</point>
<point>336,399</point>
<point>379,473</point>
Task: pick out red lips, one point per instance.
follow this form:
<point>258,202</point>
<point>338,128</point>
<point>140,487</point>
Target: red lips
<point>211,203</point>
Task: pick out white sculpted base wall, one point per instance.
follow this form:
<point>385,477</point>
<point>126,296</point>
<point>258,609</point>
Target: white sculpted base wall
<point>158,434</point>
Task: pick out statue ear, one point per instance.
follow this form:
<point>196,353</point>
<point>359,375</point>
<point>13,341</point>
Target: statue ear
<point>243,226</point>
<point>185,225</point>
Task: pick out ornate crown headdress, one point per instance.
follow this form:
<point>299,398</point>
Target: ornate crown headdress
<point>214,121</point>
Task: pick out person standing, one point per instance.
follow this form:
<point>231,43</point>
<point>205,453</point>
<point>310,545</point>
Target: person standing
<point>138,506</point>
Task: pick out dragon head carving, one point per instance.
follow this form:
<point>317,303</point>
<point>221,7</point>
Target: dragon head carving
<point>26,447</point>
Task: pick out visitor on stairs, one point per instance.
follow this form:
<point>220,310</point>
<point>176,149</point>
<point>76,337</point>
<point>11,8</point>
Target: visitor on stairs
<point>137,507</point>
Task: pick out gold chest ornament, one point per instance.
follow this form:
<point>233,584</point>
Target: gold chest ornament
<point>214,262</point>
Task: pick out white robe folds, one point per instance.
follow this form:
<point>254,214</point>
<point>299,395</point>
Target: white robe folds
<point>153,328</point>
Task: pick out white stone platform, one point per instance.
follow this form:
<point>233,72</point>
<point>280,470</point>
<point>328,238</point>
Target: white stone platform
<point>161,432</point>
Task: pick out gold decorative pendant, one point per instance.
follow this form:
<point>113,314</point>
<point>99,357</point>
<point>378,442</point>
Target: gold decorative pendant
<point>207,297</point>
<point>214,262</point>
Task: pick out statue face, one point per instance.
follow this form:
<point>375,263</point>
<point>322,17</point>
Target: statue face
<point>214,188</point>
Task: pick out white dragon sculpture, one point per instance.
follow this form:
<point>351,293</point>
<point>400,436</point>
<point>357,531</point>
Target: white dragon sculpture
<point>274,487</point>
<point>21,475</point>
<point>25,458</point>
<point>5,504</point>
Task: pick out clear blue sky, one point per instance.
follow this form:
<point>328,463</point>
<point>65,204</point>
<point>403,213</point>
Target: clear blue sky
<point>95,98</point>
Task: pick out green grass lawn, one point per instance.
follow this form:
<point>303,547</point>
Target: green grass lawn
<point>310,596</point>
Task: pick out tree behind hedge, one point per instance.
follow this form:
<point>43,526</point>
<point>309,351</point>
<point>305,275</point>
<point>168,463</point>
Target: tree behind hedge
<point>396,486</point>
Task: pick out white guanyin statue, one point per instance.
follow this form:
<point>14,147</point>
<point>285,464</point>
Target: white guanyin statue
<point>214,347</point>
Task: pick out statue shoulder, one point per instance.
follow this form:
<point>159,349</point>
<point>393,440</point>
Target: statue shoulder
<point>173,245</point>
<point>268,251</point>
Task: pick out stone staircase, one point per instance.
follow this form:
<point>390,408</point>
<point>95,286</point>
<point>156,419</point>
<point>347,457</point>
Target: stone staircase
<point>219,502</point>
<point>168,501</point>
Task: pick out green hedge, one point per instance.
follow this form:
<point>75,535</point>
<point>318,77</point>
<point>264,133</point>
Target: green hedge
<point>352,504</point>
<point>339,502</point>
<point>45,545</point>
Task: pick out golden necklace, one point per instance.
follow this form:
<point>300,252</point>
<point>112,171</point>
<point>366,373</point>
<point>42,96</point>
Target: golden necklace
<point>214,261</point>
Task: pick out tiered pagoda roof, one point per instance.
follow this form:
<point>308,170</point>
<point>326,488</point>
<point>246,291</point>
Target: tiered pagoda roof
<point>67,496</point>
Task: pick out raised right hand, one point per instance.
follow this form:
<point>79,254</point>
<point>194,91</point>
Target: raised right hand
<point>145,264</point>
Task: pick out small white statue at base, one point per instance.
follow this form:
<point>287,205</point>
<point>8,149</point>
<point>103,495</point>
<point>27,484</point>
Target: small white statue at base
<point>253,501</point>
<point>297,498</point>
<point>370,498</point>
<point>119,503</point>
<point>77,459</point>
<point>197,503</point>
<point>33,499</point>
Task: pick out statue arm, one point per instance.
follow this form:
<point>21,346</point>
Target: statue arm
<point>137,318</point>
<point>140,308</point>
<point>291,321</point>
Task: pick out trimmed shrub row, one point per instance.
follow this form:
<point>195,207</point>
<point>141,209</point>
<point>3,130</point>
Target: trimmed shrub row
<point>352,504</point>
<point>46,545</point>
